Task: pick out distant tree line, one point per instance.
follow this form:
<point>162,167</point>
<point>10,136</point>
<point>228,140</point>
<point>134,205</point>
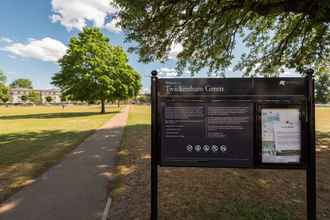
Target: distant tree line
<point>322,90</point>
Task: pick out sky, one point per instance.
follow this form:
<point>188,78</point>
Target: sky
<point>35,34</point>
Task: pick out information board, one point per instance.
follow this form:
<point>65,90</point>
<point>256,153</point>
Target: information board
<point>230,122</point>
<point>260,123</point>
<point>204,131</point>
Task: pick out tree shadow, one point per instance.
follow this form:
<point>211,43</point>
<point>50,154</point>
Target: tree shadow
<point>322,141</point>
<point>55,115</point>
<point>24,146</point>
<point>132,172</point>
<point>258,190</point>
<point>26,155</point>
<point>85,167</point>
<point>130,185</point>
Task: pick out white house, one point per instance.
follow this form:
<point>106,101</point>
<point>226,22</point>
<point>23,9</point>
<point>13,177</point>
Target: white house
<point>55,95</point>
<point>16,95</point>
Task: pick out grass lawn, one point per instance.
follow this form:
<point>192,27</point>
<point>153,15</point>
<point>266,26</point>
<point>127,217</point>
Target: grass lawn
<point>34,138</point>
<point>226,194</point>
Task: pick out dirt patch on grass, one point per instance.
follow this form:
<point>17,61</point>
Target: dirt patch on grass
<point>226,194</point>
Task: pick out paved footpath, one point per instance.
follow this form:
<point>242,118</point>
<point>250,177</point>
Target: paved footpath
<point>75,189</point>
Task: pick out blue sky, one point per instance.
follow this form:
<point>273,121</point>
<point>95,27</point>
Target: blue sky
<point>22,23</point>
<point>35,34</point>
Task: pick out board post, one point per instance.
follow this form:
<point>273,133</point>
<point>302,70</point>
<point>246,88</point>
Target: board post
<point>154,166</point>
<point>311,158</point>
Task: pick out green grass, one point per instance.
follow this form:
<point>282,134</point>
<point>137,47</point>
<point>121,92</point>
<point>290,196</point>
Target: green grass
<point>130,188</point>
<point>34,138</point>
<point>246,210</point>
<point>212,194</point>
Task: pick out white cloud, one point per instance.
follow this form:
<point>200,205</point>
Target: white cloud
<point>6,40</point>
<point>172,72</point>
<point>31,39</point>
<point>167,72</point>
<point>145,91</point>
<point>76,13</point>
<point>113,25</point>
<point>176,48</point>
<point>46,49</point>
<point>290,73</point>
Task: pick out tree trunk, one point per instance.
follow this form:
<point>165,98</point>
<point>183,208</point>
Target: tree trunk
<point>102,106</point>
<point>118,103</point>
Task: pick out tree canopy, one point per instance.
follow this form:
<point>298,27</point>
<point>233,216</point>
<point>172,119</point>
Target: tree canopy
<point>94,70</point>
<point>276,33</point>
<point>21,83</point>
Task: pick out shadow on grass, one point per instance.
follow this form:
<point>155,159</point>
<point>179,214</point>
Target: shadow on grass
<point>24,156</point>
<point>54,115</point>
<point>130,185</point>
<point>138,134</point>
<point>84,169</point>
<point>186,193</point>
<point>244,210</point>
<point>322,141</point>
<point>322,137</point>
<point>192,193</point>
<point>20,147</point>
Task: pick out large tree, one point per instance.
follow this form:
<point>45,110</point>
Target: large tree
<point>276,33</point>
<point>94,70</point>
<point>22,83</point>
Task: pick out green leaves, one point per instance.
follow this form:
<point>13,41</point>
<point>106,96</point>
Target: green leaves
<point>22,83</point>
<point>34,97</point>
<point>95,70</point>
<point>4,93</point>
<point>277,34</point>
<point>322,85</point>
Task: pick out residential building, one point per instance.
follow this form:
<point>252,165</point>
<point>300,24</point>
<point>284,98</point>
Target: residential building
<point>16,95</point>
<point>54,94</point>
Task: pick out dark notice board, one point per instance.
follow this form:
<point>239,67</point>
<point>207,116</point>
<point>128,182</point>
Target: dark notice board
<point>215,122</point>
<point>208,132</point>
